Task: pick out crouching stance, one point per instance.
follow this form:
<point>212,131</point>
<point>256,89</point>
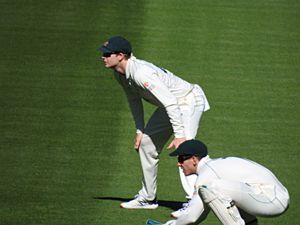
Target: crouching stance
<point>237,190</point>
<point>179,108</point>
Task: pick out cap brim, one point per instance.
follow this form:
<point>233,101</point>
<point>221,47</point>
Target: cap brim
<point>175,153</point>
<point>103,49</point>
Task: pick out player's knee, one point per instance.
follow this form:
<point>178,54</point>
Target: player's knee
<point>223,208</point>
<point>147,147</point>
<point>145,142</point>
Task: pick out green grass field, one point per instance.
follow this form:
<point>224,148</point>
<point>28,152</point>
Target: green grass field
<point>66,131</point>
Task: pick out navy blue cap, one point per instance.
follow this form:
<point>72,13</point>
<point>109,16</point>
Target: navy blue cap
<point>116,44</point>
<point>191,147</point>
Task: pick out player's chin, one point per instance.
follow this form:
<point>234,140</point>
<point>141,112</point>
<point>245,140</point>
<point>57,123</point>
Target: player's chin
<point>109,66</point>
<point>186,173</point>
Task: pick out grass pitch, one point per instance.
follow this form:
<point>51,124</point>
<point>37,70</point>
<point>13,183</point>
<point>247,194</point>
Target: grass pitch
<point>66,132</point>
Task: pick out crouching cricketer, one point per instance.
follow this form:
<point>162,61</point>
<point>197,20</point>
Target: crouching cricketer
<point>237,190</point>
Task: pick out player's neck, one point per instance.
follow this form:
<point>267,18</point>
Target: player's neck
<point>121,67</point>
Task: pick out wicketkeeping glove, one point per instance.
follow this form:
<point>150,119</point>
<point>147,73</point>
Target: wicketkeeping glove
<point>153,222</point>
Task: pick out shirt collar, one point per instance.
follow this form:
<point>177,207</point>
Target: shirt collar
<point>129,67</point>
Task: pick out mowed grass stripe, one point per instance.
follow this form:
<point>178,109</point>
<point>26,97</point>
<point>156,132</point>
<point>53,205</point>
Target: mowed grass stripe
<point>53,124</point>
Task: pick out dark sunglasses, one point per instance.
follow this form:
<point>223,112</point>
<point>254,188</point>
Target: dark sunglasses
<point>182,158</point>
<point>108,54</point>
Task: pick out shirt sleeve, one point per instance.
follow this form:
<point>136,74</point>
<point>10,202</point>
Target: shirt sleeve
<point>149,80</point>
<point>135,104</point>
<point>196,212</point>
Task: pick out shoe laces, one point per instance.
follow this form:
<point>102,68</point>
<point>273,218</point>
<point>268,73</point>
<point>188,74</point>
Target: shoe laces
<point>143,201</point>
<point>186,204</point>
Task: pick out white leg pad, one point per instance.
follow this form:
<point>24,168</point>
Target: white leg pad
<point>223,208</point>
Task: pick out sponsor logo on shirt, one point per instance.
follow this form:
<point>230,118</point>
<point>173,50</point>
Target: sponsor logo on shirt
<point>149,86</point>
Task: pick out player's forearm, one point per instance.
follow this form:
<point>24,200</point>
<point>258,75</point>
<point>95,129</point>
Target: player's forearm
<point>195,212</point>
<point>174,114</point>
<point>137,111</point>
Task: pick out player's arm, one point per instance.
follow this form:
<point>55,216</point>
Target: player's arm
<point>150,81</point>
<point>196,212</point>
<point>134,101</point>
<point>136,107</point>
<point>137,111</point>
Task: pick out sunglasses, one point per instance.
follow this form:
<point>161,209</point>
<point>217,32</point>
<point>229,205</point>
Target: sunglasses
<point>108,54</point>
<point>182,158</point>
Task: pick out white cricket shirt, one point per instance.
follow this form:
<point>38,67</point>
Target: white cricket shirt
<point>228,168</point>
<point>160,87</point>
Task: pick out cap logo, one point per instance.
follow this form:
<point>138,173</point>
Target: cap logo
<point>105,43</point>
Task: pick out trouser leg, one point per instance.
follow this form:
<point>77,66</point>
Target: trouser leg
<point>223,207</point>
<point>187,183</point>
<point>255,199</point>
<point>252,199</point>
<point>156,135</point>
<point>191,116</point>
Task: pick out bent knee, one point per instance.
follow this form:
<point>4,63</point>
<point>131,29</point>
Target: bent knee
<point>147,147</point>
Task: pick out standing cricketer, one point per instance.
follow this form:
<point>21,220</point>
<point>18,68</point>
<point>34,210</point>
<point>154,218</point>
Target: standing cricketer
<point>237,190</point>
<point>179,108</point>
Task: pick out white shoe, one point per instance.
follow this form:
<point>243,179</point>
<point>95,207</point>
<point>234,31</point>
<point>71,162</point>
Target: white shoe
<point>181,211</point>
<point>139,203</point>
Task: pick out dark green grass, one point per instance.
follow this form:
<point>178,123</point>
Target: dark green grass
<point>66,132</point>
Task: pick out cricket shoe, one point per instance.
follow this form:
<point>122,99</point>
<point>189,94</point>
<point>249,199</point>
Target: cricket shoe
<point>139,203</point>
<point>181,211</point>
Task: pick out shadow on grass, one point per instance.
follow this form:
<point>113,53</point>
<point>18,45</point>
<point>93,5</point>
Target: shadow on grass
<point>174,205</point>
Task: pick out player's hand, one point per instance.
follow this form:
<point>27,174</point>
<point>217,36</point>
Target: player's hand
<point>176,142</point>
<point>137,141</point>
